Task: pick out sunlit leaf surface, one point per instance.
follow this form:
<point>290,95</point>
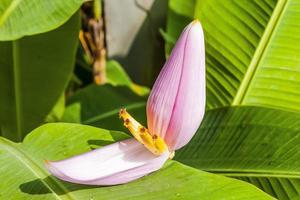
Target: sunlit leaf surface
<point>20,18</point>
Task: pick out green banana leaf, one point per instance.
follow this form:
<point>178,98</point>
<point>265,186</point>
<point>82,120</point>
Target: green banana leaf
<point>252,58</point>
<point>34,71</point>
<point>24,176</point>
<point>252,49</point>
<point>58,110</point>
<point>20,18</point>
<point>258,145</point>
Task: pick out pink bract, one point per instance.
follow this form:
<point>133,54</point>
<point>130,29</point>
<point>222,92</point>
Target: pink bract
<point>176,105</point>
<point>175,109</point>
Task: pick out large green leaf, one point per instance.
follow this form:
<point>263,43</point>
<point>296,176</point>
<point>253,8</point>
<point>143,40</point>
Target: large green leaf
<point>259,145</point>
<point>252,58</point>
<point>33,74</point>
<point>99,106</point>
<point>20,18</point>
<point>252,49</point>
<point>26,177</point>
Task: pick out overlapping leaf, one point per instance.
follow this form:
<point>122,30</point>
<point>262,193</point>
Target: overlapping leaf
<point>20,18</point>
<point>34,71</point>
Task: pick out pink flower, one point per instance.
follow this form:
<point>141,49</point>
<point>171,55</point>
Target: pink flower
<point>175,109</point>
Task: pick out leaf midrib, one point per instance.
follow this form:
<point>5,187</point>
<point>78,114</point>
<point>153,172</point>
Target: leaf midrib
<point>17,90</point>
<point>34,168</point>
<point>259,52</point>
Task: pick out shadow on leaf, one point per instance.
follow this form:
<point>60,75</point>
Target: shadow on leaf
<point>41,186</point>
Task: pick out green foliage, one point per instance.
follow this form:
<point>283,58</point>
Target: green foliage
<point>252,58</point>
<point>250,131</point>
<point>99,106</point>
<point>258,145</point>
<point>57,111</point>
<point>26,177</point>
<point>20,18</point>
<point>252,50</point>
<point>33,74</point>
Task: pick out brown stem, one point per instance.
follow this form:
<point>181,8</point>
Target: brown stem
<point>93,42</point>
<point>99,64</point>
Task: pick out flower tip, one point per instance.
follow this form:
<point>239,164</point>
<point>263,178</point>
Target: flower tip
<point>46,162</point>
<point>196,22</point>
<point>196,25</point>
<point>48,165</point>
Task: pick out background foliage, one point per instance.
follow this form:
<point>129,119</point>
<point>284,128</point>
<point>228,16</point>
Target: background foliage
<point>251,129</point>
<point>34,73</point>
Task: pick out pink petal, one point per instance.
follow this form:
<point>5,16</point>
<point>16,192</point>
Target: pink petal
<point>117,163</point>
<point>176,104</point>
